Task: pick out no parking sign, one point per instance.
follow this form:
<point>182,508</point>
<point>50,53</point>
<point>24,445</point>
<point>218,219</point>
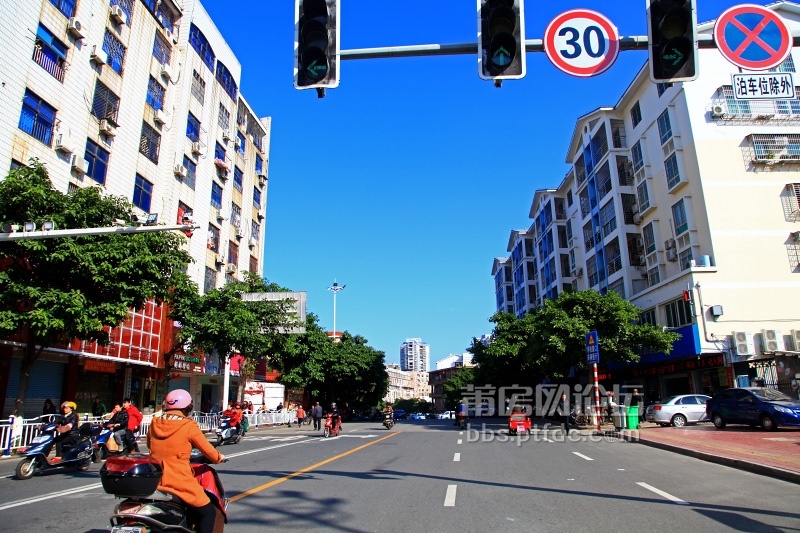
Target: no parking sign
<point>753,37</point>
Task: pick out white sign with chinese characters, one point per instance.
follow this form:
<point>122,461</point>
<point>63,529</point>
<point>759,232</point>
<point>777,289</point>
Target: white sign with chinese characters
<point>763,86</point>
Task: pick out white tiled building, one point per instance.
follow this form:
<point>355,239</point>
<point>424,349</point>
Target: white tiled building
<point>677,188</point>
<point>415,355</point>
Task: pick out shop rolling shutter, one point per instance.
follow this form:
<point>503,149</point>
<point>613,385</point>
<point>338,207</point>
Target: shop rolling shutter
<point>46,380</point>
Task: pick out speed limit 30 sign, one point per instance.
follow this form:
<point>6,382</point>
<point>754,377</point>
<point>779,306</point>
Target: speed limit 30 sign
<point>581,42</point>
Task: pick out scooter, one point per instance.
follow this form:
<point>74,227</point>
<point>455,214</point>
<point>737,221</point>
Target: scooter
<point>227,433</point>
<point>329,429</point>
<point>103,446</point>
<point>519,422</point>
<point>78,456</point>
<point>388,423</point>
<point>461,421</point>
<point>144,508</point>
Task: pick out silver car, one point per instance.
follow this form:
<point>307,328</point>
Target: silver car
<point>678,410</point>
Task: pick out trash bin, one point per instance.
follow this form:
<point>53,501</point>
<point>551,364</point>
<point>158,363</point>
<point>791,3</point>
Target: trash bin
<point>618,415</point>
<point>633,417</point>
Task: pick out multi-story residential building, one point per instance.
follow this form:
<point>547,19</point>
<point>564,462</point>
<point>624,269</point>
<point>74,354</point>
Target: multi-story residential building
<point>681,187</point>
<point>445,368</point>
<point>140,99</point>
<point>401,384</point>
<point>414,355</point>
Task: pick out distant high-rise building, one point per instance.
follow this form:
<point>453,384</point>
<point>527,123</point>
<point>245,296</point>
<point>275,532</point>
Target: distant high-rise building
<point>414,355</point>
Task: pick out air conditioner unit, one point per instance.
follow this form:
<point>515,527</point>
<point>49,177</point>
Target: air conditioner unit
<point>220,215</point>
<point>196,148</point>
<point>107,128</point>
<point>796,339</point>
<point>218,259</point>
<point>717,111</point>
<point>98,55</point>
<point>743,340</point>
<point>226,135</point>
<point>260,215</point>
<point>75,28</point>
<point>579,273</point>
<point>160,116</point>
<point>669,243</point>
<point>180,171</point>
<point>64,143</point>
<point>166,72</point>
<point>79,164</point>
<point>240,233</point>
<point>672,255</point>
<point>237,143</point>
<point>772,340</point>
<point>642,260</point>
<point>637,218</point>
<point>795,236</point>
<point>172,36</point>
<point>253,242</point>
<point>230,268</point>
<point>118,16</point>
<point>262,180</point>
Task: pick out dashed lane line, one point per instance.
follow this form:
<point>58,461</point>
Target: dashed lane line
<point>457,457</point>
<point>583,456</point>
<point>660,492</point>
<point>450,496</point>
<point>50,495</point>
<point>460,441</point>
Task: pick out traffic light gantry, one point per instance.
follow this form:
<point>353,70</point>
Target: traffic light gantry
<point>501,39</point>
<point>672,40</point>
<point>316,44</point>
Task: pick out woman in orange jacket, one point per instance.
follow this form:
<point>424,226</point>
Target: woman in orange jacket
<point>170,440</point>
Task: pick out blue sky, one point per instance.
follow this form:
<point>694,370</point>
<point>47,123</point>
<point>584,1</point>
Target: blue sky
<point>405,182</point>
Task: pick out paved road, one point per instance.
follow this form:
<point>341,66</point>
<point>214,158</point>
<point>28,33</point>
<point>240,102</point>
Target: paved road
<point>429,476</point>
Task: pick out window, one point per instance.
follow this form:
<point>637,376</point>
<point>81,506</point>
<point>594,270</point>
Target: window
<point>256,198</point>
<point>225,79</point>
<point>98,161</point>
<point>233,253</point>
<point>50,53</point>
<point>219,152</point>
<point>127,8</point>
<point>161,12</point>
<point>648,317</point>
<point>643,197</point>
<point>240,138</point>
<point>67,7</point>
<point>37,118</point>
<point>636,156</point>
<point>191,172</point>
<point>653,276</point>
<point>608,218</point>
<point>238,178</point>
<point>183,212</point>
<point>570,198</point>
<point>155,94</point>
<point>115,50</point>
<point>253,264</point>
<point>679,313</point>
<point>236,215</point>
<point>216,195</point>
<point>212,242</point>
<point>105,104</point>
<point>664,127</point>
<point>679,218</point>
<point>649,238</point>
<point>193,128</point>
<point>673,174</point>
<point>150,142</point>
<point>662,87</point>
<point>210,281</point>
<point>255,229</point>
<point>636,114</point>
<point>142,193</point>
<point>201,46</point>
<point>224,118</point>
<point>685,259</point>
<point>162,50</point>
<point>198,87</point>
<point>259,166</point>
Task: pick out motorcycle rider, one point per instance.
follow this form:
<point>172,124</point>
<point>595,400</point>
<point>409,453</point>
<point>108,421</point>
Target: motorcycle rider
<point>170,440</point>
<point>235,415</point>
<point>461,412</point>
<point>67,429</point>
<point>335,419</point>
<point>134,419</point>
<point>118,424</point>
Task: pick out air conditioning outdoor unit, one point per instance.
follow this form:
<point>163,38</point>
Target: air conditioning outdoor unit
<point>672,255</point>
<point>772,340</point>
<point>64,143</point>
<point>160,116</point>
<point>796,339</point>
<point>260,215</point>
<point>796,236</point>
<point>743,340</point>
<point>180,171</point>
<point>221,216</point>
<point>75,28</point>
<point>171,36</point>
<point>642,260</point>
<point>637,218</point>
<point>230,268</point>
<point>240,233</point>
<point>253,242</point>
<point>98,55</point>
<point>79,164</point>
<point>262,180</point>
<point>237,143</point>
<point>107,128</point>
<point>669,243</point>
<point>218,259</point>
<point>118,16</point>
<point>579,273</point>
<point>717,111</point>
<point>196,148</point>
<point>166,72</point>
<point>226,135</point>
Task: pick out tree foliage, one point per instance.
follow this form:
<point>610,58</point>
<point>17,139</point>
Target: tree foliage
<point>58,289</point>
<point>453,389</point>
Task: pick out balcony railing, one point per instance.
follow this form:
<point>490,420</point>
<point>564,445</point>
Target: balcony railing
<point>54,68</point>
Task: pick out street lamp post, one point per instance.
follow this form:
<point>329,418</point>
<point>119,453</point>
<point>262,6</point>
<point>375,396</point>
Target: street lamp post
<point>334,289</point>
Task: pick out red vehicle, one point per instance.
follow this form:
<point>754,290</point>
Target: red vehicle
<point>329,429</point>
<point>518,421</point>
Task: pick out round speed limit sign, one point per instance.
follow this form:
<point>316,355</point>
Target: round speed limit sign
<point>581,42</point>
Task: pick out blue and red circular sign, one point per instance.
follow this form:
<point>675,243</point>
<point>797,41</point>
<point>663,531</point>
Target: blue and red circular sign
<point>581,42</point>
<point>753,37</point>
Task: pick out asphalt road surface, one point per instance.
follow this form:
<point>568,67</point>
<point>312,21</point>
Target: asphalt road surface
<point>427,476</point>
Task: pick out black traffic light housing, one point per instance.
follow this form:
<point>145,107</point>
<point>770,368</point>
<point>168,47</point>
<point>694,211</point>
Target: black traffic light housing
<point>672,38</point>
<point>316,44</point>
<point>501,39</point>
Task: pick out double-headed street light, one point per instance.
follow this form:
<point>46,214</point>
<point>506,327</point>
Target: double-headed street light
<point>334,289</point>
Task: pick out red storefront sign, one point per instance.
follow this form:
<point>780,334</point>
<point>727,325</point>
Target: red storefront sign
<point>99,365</point>
<point>680,366</point>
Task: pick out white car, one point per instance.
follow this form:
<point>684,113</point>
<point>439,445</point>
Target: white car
<point>447,415</point>
<point>678,410</point>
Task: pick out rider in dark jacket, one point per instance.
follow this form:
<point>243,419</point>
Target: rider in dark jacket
<point>118,424</point>
<point>67,429</point>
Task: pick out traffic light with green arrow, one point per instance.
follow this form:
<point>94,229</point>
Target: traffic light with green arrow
<point>501,39</point>
<point>316,44</point>
<point>672,38</point>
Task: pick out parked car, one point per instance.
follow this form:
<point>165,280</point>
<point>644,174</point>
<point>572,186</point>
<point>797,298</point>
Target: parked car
<point>447,415</point>
<point>678,410</point>
<point>417,416</point>
<point>399,414</point>
<point>756,406</point>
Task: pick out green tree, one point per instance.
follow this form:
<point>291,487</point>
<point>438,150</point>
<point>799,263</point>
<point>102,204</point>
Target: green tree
<point>453,389</point>
<point>58,289</point>
<point>506,360</point>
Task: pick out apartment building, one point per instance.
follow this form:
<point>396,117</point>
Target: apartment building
<point>680,187</point>
<point>140,99</point>
<point>415,355</point>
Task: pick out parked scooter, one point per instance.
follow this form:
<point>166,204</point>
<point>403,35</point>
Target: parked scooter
<point>78,456</point>
<point>388,422</point>
<point>136,477</point>
<point>329,427</point>
<point>227,433</point>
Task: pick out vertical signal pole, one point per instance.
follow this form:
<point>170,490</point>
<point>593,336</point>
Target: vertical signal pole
<point>596,397</point>
<point>592,358</point>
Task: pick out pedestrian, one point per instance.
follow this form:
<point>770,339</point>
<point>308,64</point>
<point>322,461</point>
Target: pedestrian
<point>316,414</point>
<point>301,415</point>
<point>637,401</point>
<point>134,420</point>
<point>49,408</point>
<point>98,407</point>
<point>562,409</point>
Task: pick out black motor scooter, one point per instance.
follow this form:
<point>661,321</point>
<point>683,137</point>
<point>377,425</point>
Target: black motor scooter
<point>36,455</point>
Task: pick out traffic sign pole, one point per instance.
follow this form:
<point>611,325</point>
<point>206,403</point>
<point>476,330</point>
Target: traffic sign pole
<point>596,397</point>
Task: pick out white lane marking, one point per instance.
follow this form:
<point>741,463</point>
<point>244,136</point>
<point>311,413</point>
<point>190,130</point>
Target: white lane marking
<point>50,495</point>
<point>583,456</point>
<point>662,493</point>
<point>457,457</point>
<point>248,452</point>
<point>459,441</point>
<point>450,496</point>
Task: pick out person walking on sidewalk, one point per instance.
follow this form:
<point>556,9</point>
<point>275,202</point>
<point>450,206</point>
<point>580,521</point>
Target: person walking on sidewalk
<point>301,415</point>
<point>562,410</point>
<point>316,413</point>
<point>637,402</point>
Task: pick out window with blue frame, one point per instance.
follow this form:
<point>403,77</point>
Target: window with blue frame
<point>162,13</point>
<point>259,165</point>
<point>255,229</point>
<point>162,50</point>
<point>98,161</point>
<point>142,193</point>
<point>238,178</point>
<point>149,142</point>
<point>240,138</point>
<point>219,152</point>
<point>67,7</point>
<point>50,53</point>
<point>38,118</point>
<point>636,156</point>
<point>105,104</point>
<point>225,79</point>
<point>216,195</point>
<point>673,173</point>
<point>201,46</point>
<point>256,198</point>
<point>127,8</point>
<point>191,172</point>
<point>155,94</point>
<point>115,50</point>
<point>679,218</point>
<point>193,128</point>
<point>664,127</point>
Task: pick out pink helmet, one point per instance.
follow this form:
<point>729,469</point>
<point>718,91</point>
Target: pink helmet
<point>178,399</point>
